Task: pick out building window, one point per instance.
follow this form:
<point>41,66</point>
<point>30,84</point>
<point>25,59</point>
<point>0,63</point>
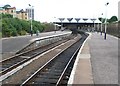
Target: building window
<point>11,11</point>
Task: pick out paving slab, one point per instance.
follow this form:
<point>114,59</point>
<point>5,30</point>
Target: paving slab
<point>104,59</point>
<point>97,62</point>
<point>82,71</point>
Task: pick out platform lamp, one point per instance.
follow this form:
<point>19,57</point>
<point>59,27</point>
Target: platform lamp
<point>1,22</point>
<point>93,22</point>
<point>55,24</point>
<point>61,19</point>
<point>31,18</point>
<point>106,19</point>
<point>101,23</point>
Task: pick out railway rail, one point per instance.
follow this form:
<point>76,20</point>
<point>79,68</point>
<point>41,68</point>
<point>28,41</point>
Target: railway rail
<point>14,61</point>
<point>55,72</point>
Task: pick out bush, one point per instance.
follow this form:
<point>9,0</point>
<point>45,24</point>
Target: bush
<point>14,26</point>
<point>23,32</point>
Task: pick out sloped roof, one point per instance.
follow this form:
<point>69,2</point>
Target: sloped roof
<point>21,11</point>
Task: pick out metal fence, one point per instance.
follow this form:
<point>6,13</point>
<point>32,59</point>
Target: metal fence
<point>112,29</point>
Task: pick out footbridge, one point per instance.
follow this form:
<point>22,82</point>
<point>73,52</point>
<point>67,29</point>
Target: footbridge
<point>79,23</point>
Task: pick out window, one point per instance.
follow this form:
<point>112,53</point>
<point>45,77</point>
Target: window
<point>11,11</point>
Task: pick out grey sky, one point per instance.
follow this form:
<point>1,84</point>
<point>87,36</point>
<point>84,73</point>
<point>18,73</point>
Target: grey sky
<point>46,10</point>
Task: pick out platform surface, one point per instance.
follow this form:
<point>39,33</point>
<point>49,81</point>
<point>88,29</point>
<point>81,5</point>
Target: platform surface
<point>97,61</point>
<point>13,44</point>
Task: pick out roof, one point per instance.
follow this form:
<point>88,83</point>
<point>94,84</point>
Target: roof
<point>82,20</point>
<point>10,8</point>
<point>21,11</point>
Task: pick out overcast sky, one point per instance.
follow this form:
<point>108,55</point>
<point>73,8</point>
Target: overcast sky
<point>46,10</point>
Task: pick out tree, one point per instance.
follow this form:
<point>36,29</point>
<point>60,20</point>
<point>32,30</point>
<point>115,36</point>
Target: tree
<point>6,15</point>
<point>14,26</point>
<point>113,19</point>
<point>102,19</point>
<point>6,6</point>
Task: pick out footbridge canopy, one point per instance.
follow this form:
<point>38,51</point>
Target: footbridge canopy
<point>77,22</point>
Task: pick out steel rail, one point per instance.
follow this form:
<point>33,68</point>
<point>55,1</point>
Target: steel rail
<point>24,60</point>
<point>49,62</point>
<point>61,77</point>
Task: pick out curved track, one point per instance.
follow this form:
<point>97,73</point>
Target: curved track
<point>15,61</point>
<point>54,72</point>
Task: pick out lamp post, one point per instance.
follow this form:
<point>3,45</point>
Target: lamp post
<point>106,20</point>
<point>98,28</point>
<point>55,24</point>
<point>31,19</point>
<point>93,23</point>
<point>101,23</point>
<point>1,24</point>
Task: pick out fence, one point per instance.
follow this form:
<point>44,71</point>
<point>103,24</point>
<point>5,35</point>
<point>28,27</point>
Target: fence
<point>112,29</point>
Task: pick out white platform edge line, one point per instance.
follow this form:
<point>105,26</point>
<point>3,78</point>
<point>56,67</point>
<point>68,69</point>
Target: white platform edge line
<point>70,81</point>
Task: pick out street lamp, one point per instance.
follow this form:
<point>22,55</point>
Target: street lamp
<point>101,23</point>
<point>93,23</point>
<point>55,23</point>
<point>1,23</point>
<point>31,18</point>
<point>106,20</point>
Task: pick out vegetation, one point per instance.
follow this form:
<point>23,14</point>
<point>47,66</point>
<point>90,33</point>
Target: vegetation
<point>14,26</point>
<point>112,26</point>
<point>102,20</point>
<point>111,20</point>
<point>6,6</point>
<point>48,27</point>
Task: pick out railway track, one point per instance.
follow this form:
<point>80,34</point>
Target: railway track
<point>56,71</point>
<point>15,61</point>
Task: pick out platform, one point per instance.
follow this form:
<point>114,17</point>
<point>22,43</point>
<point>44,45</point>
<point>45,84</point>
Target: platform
<point>13,44</point>
<point>97,61</point>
